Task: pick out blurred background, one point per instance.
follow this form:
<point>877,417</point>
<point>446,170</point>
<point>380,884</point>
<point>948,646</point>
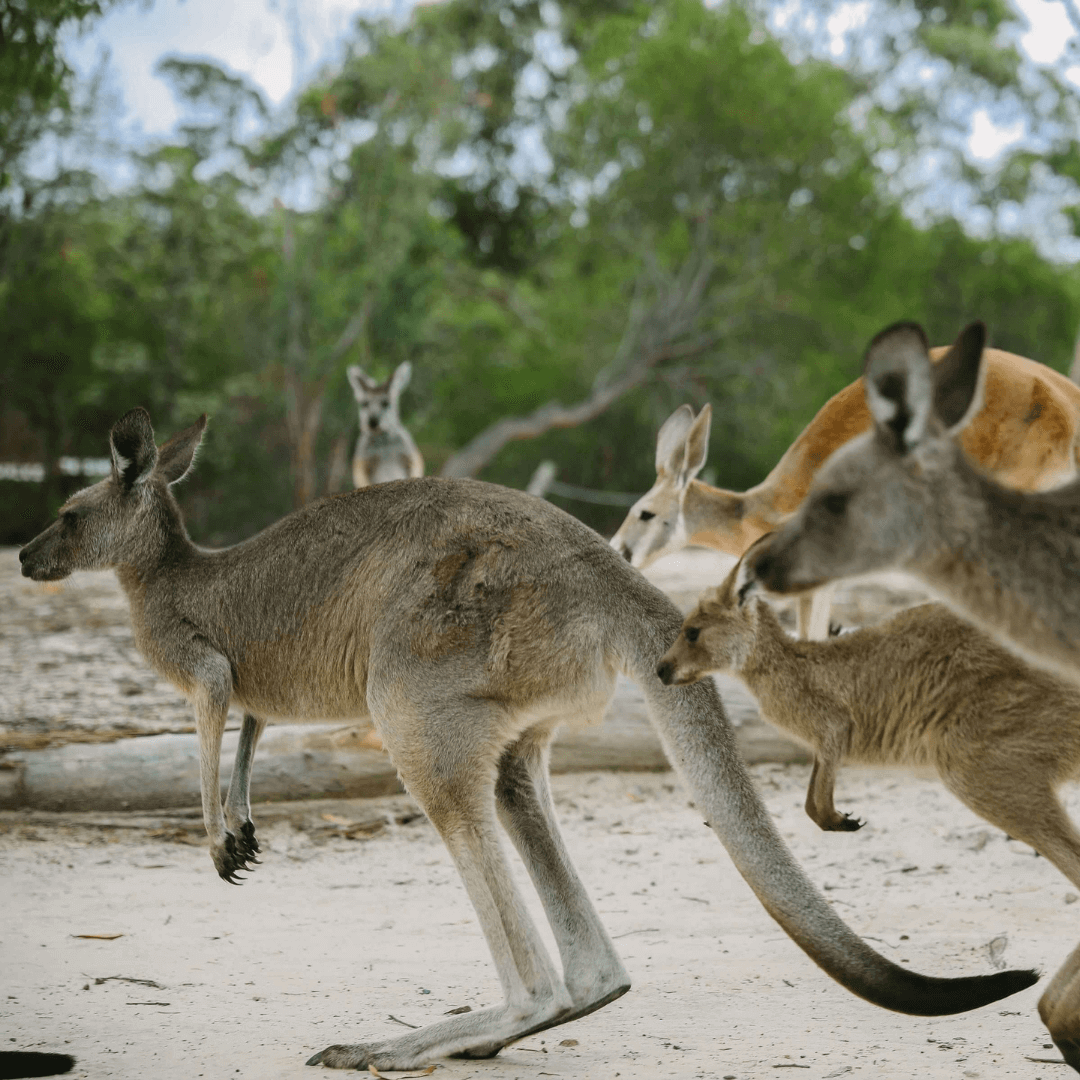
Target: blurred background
<point>571,216</point>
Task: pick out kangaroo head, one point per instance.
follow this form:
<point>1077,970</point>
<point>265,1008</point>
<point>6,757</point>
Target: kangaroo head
<point>120,518</point>
<point>718,635</point>
<point>378,402</point>
<point>655,525</point>
<point>877,501</point>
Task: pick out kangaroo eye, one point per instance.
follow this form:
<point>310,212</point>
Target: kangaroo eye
<point>835,503</point>
<point>647,515</point>
<point>692,633</point>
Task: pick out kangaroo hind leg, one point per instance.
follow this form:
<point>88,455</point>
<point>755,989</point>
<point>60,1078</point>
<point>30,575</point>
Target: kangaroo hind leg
<point>238,800</point>
<point>455,785</point>
<point>592,971</point>
<point>1025,807</point>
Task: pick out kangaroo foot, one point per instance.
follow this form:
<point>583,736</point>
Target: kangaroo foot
<point>360,1056</point>
<point>230,858</point>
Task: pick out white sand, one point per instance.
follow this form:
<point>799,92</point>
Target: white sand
<point>329,938</point>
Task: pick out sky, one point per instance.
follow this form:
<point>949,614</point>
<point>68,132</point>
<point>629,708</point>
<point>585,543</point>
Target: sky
<point>276,43</point>
<point>279,44</point>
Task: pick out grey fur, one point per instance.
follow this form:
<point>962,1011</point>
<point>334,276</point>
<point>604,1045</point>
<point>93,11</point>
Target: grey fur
<point>468,621</point>
<point>384,450</point>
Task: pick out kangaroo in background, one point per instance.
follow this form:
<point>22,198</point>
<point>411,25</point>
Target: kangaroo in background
<point>905,495</point>
<point>922,688</point>
<point>385,450</point>
<point>468,621</point>
<point>1024,435</point>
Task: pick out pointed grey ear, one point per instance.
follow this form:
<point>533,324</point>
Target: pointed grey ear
<point>958,382</point>
<point>134,453</point>
<point>359,381</point>
<point>399,380</point>
<point>176,457</point>
<point>697,446</point>
<point>899,384</point>
<point>671,440</point>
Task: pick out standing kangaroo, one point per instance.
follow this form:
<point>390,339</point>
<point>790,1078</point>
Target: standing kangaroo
<point>385,450</point>
<point>1024,436</point>
<point>905,495</point>
<point>468,621</point>
<point>923,688</point>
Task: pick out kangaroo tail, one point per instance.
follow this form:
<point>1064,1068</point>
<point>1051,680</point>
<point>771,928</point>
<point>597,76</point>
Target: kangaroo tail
<point>701,745</point>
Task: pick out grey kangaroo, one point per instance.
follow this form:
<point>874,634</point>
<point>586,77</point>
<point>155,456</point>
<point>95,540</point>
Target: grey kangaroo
<point>384,450</point>
<point>922,688</point>
<point>468,621</point>
<point>904,495</point>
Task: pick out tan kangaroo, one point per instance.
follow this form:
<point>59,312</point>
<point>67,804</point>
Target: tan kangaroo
<point>468,621</point>
<point>385,450</point>
<point>1023,436</point>
<point>905,495</point>
<point>922,688</point>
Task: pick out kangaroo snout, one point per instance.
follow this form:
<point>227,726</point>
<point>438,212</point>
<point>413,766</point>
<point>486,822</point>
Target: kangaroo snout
<point>665,672</point>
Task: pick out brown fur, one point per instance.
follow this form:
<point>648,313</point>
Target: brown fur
<point>905,495</point>
<point>923,688</point>
<point>1024,436</point>
<point>467,621</point>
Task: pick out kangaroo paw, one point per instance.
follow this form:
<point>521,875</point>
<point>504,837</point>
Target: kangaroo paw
<point>247,843</point>
<point>843,823</point>
<point>229,859</point>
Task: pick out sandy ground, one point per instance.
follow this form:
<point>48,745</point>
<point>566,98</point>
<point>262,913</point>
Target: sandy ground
<point>336,939</point>
<point>356,921</point>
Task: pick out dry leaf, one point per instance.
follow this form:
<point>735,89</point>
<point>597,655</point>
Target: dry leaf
<point>99,937</point>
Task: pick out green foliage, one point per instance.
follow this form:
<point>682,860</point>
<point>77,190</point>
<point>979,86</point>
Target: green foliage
<point>675,132</point>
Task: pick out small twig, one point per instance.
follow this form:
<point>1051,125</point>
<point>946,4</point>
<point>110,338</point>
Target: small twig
<point>1048,1061</point>
<point>790,1065</point>
<point>647,930</point>
<point>415,1027</point>
<point>147,1002</point>
<point>125,978</point>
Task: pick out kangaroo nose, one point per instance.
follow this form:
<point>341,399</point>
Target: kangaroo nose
<point>627,554</point>
<point>665,672</point>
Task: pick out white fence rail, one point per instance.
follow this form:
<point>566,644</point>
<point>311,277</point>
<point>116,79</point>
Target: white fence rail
<point>33,472</point>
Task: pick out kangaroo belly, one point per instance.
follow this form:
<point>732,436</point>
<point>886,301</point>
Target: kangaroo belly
<point>287,683</point>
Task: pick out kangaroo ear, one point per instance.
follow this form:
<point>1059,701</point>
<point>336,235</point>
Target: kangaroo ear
<point>671,440</point>
<point>400,379</point>
<point>899,384</point>
<point>177,456</point>
<point>134,453</point>
<point>958,382</point>
<point>697,446</point>
<point>360,383</point>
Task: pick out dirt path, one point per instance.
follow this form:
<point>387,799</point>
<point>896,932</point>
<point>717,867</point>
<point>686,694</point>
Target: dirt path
<point>331,937</point>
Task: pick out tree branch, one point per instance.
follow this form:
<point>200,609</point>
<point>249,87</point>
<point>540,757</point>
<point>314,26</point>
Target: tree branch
<point>653,335</point>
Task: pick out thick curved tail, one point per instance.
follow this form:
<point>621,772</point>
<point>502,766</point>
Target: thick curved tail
<point>700,744</point>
